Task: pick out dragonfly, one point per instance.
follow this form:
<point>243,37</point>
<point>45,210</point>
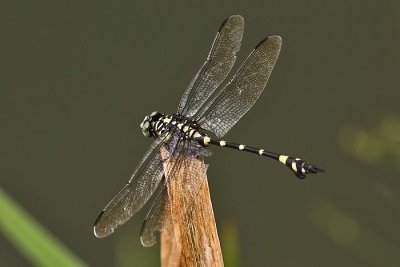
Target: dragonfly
<point>206,112</point>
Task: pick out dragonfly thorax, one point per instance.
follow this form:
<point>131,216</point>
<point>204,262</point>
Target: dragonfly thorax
<point>156,124</point>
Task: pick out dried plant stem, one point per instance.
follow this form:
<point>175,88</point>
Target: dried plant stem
<point>192,240</point>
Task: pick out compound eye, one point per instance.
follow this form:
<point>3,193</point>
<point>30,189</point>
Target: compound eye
<point>146,133</point>
<point>144,120</point>
<point>145,128</point>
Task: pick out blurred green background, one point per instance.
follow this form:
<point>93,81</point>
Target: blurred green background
<point>78,77</point>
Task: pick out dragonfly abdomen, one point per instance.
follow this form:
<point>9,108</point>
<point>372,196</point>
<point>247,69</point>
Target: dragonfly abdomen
<point>298,166</point>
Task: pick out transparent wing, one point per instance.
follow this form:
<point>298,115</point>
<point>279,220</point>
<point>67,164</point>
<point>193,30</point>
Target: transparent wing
<point>221,113</point>
<point>134,195</point>
<point>217,66</point>
<point>183,173</point>
<point>155,219</point>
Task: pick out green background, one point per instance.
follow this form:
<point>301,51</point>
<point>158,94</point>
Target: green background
<point>77,78</point>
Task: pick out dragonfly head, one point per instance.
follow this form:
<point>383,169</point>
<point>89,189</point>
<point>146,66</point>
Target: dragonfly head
<point>149,122</point>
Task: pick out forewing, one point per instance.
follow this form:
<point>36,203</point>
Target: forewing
<point>240,94</point>
<point>134,195</point>
<point>217,66</point>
